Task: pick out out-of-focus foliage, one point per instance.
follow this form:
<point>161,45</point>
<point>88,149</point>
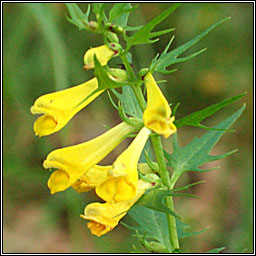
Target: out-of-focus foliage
<point>43,52</point>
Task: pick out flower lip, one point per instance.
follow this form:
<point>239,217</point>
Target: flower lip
<point>37,109</point>
<point>45,125</point>
<point>97,228</point>
<point>58,181</point>
<point>47,164</point>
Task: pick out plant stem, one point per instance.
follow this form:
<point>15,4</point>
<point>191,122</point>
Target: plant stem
<point>136,89</point>
<point>158,148</point>
<point>164,174</point>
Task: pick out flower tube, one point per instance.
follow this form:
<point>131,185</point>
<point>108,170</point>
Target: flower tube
<point>122,180</point>
<point>99,174</point>
<point>103,54</point>
<point>157,115</point>
<point>59,107</point>
<point>74,161</point>
<point>92,178</point>
<point>105,216</point>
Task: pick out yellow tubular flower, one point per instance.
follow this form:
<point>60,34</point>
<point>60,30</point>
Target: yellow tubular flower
<point>72,162</point>
<point>105,216</point>
<point>122,180</point>
<point>59,107</point>
<point>157,115</point>
<point>99,174</point>
<point>92,178</point>
<point>103,54</point>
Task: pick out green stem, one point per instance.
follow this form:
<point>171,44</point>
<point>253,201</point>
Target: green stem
<point>164,174</point>
<point>136,89</point>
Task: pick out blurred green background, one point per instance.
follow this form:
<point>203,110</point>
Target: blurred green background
<point>43,52</point>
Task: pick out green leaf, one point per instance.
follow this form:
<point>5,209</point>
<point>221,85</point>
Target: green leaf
<point>194,154</point>
<point>195,118</point>
<point>154,199</point>
<point>128,28</point>
<point>104,81</point>
<point>167,59</point>
<point>216,250</point>
<point>143,35</point>
<point>189,185</point>
<point>98,9</point>
<point>130,103</point>
<point>150,224</point>
<point>78,18</point>
<point>181,227</point>
<point>119,13</point>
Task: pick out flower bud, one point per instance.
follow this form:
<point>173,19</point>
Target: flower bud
<point>118,75</point>
<point>93,26</point>
<point>112,37</point>
<point>114,28</point>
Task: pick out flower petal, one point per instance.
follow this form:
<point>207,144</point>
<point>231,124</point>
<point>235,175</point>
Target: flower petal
<point>58,181</point>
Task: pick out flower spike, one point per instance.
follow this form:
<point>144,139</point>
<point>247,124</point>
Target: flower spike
<point>122,179</point>
<point>157,115</point>
<point>74,161</point>
<point>59,107</point>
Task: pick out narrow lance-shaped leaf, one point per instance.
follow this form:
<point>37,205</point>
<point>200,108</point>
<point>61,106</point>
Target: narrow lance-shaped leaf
<point>143,35</point>
<point>216,250</point>
<point>189,185</point>
<point>104,80</point>
<point>78,18</point>
<point>154,199</point>
<point>196,153</point>
<point>195,118</point>
<point>181,227</point>
<point>167,59</point>
<point>98,9</point>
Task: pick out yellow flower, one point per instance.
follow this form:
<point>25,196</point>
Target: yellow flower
<point>74,161</point>
<point>59,107</point>
<point>105,216</point>
<point>99,174</point>
<point>122,180</point>
<point>92,178</point>
<point>103,54</point>
<point>157,115</point>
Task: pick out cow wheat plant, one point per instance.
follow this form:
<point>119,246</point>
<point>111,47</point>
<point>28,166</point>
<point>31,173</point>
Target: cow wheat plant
<point>141,181</point>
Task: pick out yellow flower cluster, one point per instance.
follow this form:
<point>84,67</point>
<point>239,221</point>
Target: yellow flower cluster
<point>77,166</point>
